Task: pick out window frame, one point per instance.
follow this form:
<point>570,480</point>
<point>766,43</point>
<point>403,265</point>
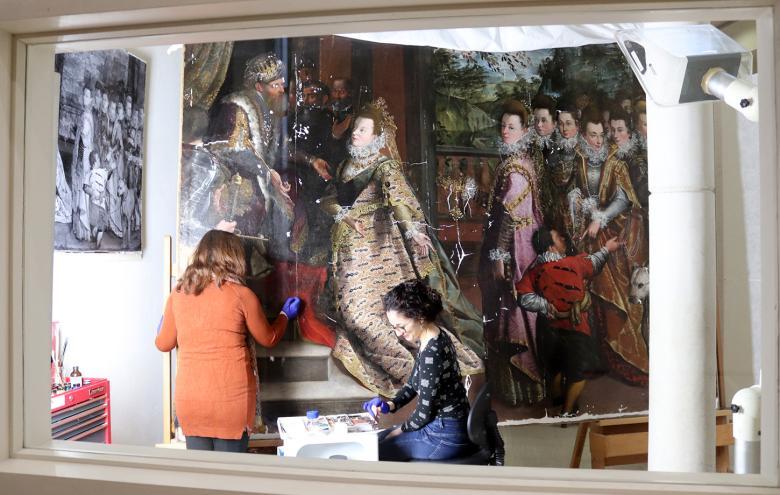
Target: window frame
<point>32,180</point>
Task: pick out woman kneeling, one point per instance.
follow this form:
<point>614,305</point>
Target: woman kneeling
<point>436,430</point>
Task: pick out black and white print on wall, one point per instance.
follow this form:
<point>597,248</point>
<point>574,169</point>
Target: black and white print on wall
<point>99,151</point>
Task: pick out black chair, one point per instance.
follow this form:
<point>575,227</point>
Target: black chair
<point>482,426</point>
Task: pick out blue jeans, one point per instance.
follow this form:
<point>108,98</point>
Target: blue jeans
<point>442,438</point>
<point>218,444</point>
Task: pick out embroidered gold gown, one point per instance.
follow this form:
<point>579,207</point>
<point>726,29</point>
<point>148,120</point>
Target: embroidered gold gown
<point>621,319</point>
<point>365,267</point>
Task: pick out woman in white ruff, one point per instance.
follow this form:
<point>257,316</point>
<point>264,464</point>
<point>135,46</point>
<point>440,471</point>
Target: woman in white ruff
<point>514,214</point>
<point>603,204</point>
<point>379,240</point>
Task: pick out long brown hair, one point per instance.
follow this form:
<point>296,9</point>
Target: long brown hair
<point>218,258</point>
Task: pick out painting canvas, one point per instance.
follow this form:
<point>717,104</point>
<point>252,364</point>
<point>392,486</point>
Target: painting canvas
<point>99,152</point>
<point>591,358</point>
<point>268,154</point>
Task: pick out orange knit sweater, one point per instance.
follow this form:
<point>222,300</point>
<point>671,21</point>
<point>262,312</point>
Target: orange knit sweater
<point>215,385</point>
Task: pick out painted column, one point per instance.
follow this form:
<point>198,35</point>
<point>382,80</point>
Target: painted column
<point>682,284</point>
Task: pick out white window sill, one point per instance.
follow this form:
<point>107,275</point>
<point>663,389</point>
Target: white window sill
<point>228,473</point>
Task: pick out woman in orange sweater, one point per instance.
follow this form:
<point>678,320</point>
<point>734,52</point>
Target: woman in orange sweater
<point>207,318</point>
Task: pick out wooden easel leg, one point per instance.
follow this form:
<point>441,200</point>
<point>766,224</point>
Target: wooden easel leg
<point>579,444</point>
<point>722,459</point>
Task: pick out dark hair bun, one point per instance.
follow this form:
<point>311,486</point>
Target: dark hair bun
<point>591,115</point>
<point>414,299</point>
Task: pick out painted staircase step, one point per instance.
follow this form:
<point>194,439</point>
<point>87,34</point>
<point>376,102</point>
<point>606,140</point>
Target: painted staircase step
<point>294,362</point>
<point>335,393</point>
<point>275,410</point>
<point>293,369</point>
<point>294,348</point>
<point>340,385</point>
<point>314,390</point>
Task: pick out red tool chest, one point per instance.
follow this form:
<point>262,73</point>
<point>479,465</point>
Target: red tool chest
<point>83,413</point>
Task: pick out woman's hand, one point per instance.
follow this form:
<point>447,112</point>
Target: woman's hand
<point>278,184</point>
<point>422,243</point>
<point>283,188</point>
<point>498,270</point>
<point>356,225</point>
<point>339,128</point>
<point>292,307</point>
<point>322,168</point>
<point>376,406</point>
<point>592,230</point>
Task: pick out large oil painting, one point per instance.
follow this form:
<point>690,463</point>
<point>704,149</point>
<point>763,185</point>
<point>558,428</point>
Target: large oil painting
<point>515,184</point>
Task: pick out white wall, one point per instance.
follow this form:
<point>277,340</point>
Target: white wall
<point>5,230</point>
<point>739,218</point>
<point>109,305</point>
<point>739,264</point>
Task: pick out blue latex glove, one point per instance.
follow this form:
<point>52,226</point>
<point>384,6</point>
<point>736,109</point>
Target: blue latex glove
<point>292,307</point>
<point>383,406</point>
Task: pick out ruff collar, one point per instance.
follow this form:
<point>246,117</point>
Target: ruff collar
<point>626,149</point>
<point>363,153</point>
<point>568,144</point>
<point>519,146</point>
<point>550,256</point>
<point>596,158</point>
<point>542,141</point>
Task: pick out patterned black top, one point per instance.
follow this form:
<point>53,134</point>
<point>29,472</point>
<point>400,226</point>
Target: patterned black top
<point>436,379</point>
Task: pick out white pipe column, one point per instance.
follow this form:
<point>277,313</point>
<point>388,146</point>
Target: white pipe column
<point>683,292</point>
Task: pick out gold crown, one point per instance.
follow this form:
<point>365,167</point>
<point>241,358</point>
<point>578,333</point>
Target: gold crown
<point>264,68</point>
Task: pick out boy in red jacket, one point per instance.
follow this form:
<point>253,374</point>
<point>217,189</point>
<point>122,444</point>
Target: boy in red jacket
<point>556,288</point>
